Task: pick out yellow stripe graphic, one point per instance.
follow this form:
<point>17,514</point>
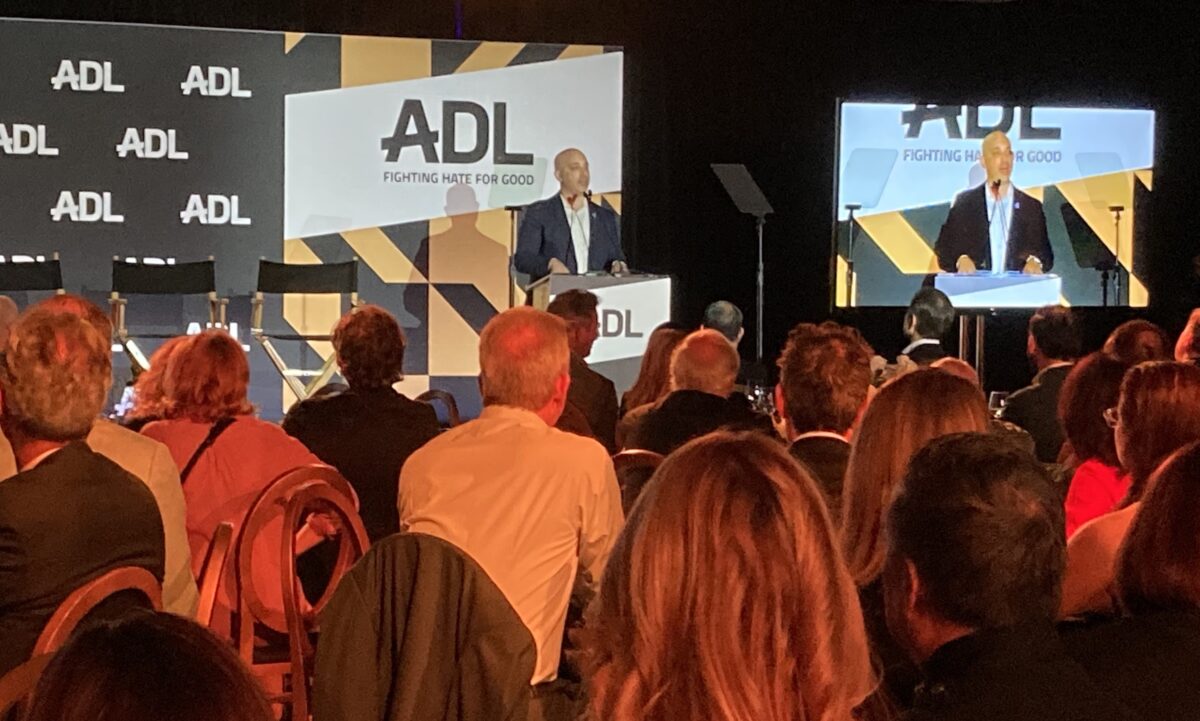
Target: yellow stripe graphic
<point>900,243</point>
<point>370,61</point>
<point>382,256</point>
<point>489,56</point>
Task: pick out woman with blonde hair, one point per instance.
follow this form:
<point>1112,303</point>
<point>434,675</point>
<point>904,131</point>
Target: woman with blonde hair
<point>653,382</point>
<point>908,412</point>
<point>726,598</point>
<point>149,398</point>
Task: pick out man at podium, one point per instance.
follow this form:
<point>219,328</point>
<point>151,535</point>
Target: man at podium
<point>995,227</point>
<point>568,233</point>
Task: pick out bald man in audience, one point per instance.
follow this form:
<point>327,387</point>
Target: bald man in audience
<point>144,458</point>
<point>567,232</point>
<point>529,503</point>
<point>703,371</point>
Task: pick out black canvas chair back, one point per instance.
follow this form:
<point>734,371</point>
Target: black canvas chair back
<point>305,279</point>
<point>132,277</point>
<point>31,275</point>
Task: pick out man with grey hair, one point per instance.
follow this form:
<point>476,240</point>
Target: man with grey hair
<point>70,514</point>
<point>529,503</point>
<point>703,370</point>
<point>725,317</point>
<point>147,459</point>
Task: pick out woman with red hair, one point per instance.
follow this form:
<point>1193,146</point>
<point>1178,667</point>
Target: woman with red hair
<point>226,456</point>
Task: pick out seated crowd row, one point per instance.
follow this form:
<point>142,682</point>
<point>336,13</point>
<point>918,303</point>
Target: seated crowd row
<point>881,545</point>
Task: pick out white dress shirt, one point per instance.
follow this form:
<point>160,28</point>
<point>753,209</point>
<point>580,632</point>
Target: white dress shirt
<point>999,224</point>
<point>580,222</point>
<point>527,502</point>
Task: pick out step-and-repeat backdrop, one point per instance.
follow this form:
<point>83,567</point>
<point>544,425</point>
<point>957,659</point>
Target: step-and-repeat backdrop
<point>184,144</point>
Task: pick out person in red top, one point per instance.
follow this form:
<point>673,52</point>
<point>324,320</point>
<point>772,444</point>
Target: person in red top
<point>205,386</point>
<point>1097,484</point>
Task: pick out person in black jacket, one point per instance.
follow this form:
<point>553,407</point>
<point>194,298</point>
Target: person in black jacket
<point>972,583</point>
<point>994,226</point>
<point>824,377</point>
<point>1148,658</point>
<point>1053,346</point>
<point>368,430</point>
<point>929,317</point>
<point>70,514</point>
<point>591,393</point>
<point>703,370</point>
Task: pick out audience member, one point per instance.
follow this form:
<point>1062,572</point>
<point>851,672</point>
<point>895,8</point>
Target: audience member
<point>1137,341</point>
<point>529,503</point>
<point>70,514</point>
<point>149,398</point>
<point>725,318</point>
<point>703,371</point>
<point>1148,658</point>
<point>226,456</point>
<point>8,316</point>
<point>1014,433</point>
<point>824,378</point>
<point>654,377</point>
<point>726,597</point>
<point>147,460</point>
<point>1053,345</point>
<point>907,413</point>
<point>929,317</point>
<point>148,667</point>
<point>974,562</point>
<point>369,430</point>
<point>1097,483</point>
<point>1187,348</point>
<point>653,382</point>
<point>1158,412</point>
<point>590,392</point>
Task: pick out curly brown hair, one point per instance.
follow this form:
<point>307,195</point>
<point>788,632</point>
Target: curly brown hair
<point>824,373</point>
<point>370,347</point>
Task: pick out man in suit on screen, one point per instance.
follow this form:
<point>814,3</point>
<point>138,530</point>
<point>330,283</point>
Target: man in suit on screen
<point>568,233</point>
<point>994,226</point>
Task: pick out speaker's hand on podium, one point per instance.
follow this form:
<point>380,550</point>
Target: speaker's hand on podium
<point>618,267</point>
<point>1033,266</point>
<point>557,266</point>
<point>964,264</point>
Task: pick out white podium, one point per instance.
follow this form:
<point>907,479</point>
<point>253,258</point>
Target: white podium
<point>999,290</point>
<point>631,306</point>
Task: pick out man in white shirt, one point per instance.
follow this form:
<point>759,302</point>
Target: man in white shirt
<point>527,502</point>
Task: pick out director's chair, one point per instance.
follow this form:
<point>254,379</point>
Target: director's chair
<point>154,277</point>
<point>23,273</point>
<point>309,279</point>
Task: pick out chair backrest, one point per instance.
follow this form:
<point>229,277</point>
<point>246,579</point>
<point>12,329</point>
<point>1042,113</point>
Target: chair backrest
<point>197,278</point>
<point>18,684</point>
<point>308,278</point>
<point>87,597</point>
<point>270,505</point>
<point>627,460</point>
<point>634,469</point>
<point>31,275</point>
<point>213,571</point>
<point>447,399</point>
<point>314,496</point>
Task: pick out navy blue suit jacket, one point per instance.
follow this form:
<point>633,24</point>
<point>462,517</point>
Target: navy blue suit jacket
<point>966,233</point>
<point>544,234</point>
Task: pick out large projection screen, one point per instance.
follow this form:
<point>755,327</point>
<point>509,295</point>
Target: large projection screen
<point>903,164</point>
